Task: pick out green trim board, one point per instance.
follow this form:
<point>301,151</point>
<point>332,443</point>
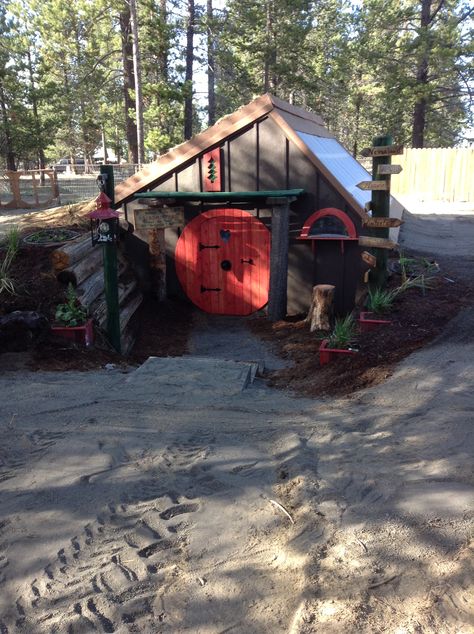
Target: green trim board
<point>220,196</point>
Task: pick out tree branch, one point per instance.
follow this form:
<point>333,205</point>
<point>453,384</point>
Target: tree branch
<point>436,11</point>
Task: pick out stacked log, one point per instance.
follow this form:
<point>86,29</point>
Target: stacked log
<point>81,264</point>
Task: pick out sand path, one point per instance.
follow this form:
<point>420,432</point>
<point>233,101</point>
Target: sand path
<point>176,502</point>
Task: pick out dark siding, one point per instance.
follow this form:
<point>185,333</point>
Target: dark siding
<point>243,164</point>
<point>340,269</point>
<point>272,156</point>
<point>261,158</point>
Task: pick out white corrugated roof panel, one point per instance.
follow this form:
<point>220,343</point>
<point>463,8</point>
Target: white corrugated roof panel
<point>340,163</point>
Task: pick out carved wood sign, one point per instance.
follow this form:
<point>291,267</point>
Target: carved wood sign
<point>379,243</point>
<point>389,169</point>
<point>381,222</point>
<point>159,218</point>
<point>368,258</point>
<point>383,150</point>
<point>374,185</point>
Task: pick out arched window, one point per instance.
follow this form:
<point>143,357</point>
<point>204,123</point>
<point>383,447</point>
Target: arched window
<point>329,224</point>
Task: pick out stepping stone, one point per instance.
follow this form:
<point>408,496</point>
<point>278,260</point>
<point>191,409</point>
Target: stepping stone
<point>194,373</point>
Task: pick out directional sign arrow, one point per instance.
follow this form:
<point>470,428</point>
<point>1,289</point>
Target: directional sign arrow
<point>374,185</point>
<point>383,150</point>
<point>382,223</point>
<point>369,259</point>
<point>379,243</point>
<point>389,169</point>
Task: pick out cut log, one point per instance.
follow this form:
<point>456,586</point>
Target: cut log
<point>93,286</point>
<point>321,311</point>
<point>70,253</point>
<point>126,312</point>
<point>84,268</point>
<point>128,340</point>
<point>124,290</point>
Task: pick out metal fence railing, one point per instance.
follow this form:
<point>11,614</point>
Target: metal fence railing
<point>42,188</point>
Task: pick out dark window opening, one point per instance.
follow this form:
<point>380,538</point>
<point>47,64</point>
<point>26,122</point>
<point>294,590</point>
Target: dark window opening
<point>328,227</point>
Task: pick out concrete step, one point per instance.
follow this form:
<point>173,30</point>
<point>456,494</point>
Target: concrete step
<point>193,374</point>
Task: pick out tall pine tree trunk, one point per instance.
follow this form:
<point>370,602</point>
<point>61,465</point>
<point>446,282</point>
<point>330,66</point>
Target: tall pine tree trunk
<point>270,80</point>
<point>128,85</point>
<point>163,46</point>
<point>188,100</point>
<point>419,113</point>
<point>9,154</point>
<point>137,71</point>
<point>211,74</point>
<point>34,104</point>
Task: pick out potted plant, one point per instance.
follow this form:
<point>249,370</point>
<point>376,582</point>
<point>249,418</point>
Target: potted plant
<point>379,301</point>
<point>72,320</point>
<point>340,341</point>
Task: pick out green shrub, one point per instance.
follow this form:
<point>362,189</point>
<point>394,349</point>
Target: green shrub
<point>380,301</point>
<point>71,313</point>
<point>343,334</point>
<point>11,244</point>
<point>12,241</point>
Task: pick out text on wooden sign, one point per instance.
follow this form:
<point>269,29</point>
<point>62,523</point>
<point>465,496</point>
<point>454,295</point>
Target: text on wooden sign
<point>159,217</point>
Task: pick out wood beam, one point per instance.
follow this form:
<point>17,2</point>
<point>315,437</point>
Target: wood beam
<point>277,299</point>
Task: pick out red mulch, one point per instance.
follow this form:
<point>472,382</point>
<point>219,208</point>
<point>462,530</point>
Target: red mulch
<point>416,320</point>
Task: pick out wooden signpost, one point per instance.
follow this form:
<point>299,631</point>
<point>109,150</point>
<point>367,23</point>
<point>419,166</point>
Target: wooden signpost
<point>381,223</point>
<point>374,185</point>
<point>159,218</point>
<point>382,150</point>
<point>389,169</point>
<point>154,220</point>
<point>377,243</point>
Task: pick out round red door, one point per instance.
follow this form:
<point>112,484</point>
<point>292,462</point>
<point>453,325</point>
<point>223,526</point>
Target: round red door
<point>223,262</point>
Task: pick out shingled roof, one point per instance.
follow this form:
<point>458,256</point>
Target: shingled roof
<point>303,128</point>
<point>294,117</point>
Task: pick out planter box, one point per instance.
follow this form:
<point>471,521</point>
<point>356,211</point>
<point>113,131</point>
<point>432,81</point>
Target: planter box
<point>82,335</point>
<point>326,355</point>
<point>368,323</point>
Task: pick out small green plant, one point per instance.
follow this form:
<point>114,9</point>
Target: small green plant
<point>7,283</point>
<point>406,266</point>
<point>380,300</point>
<point>12,241</point>
<point>343,334</point>
<point>71,313</point>
<point>12,246</point>
<point>420,281</point>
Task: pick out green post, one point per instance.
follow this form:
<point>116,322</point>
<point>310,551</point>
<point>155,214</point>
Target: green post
<point>380,209</point>
<point>110,271</point>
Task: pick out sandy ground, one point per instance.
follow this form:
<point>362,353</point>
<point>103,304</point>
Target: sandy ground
<point>173,501</point>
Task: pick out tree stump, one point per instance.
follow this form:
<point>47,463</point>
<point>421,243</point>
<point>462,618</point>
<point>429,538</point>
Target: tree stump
<point>321,310</point>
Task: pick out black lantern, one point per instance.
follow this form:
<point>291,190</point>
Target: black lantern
<point>104,221</point>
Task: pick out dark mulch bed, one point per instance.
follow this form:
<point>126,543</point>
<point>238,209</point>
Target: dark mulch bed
<point>416,320</point>
<point>162,329</point>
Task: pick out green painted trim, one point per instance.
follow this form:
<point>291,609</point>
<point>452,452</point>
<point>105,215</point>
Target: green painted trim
<point>222,196</point>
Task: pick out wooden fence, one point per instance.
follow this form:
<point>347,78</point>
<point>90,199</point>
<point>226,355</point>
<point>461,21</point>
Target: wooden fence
<point>436,174</point>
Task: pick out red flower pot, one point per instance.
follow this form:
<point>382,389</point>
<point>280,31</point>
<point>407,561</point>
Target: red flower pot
<point>368,323</point>
<point>82,335</point>
<point>328,354</point>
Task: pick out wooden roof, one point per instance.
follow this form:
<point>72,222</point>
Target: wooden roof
<point>291,119</point>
